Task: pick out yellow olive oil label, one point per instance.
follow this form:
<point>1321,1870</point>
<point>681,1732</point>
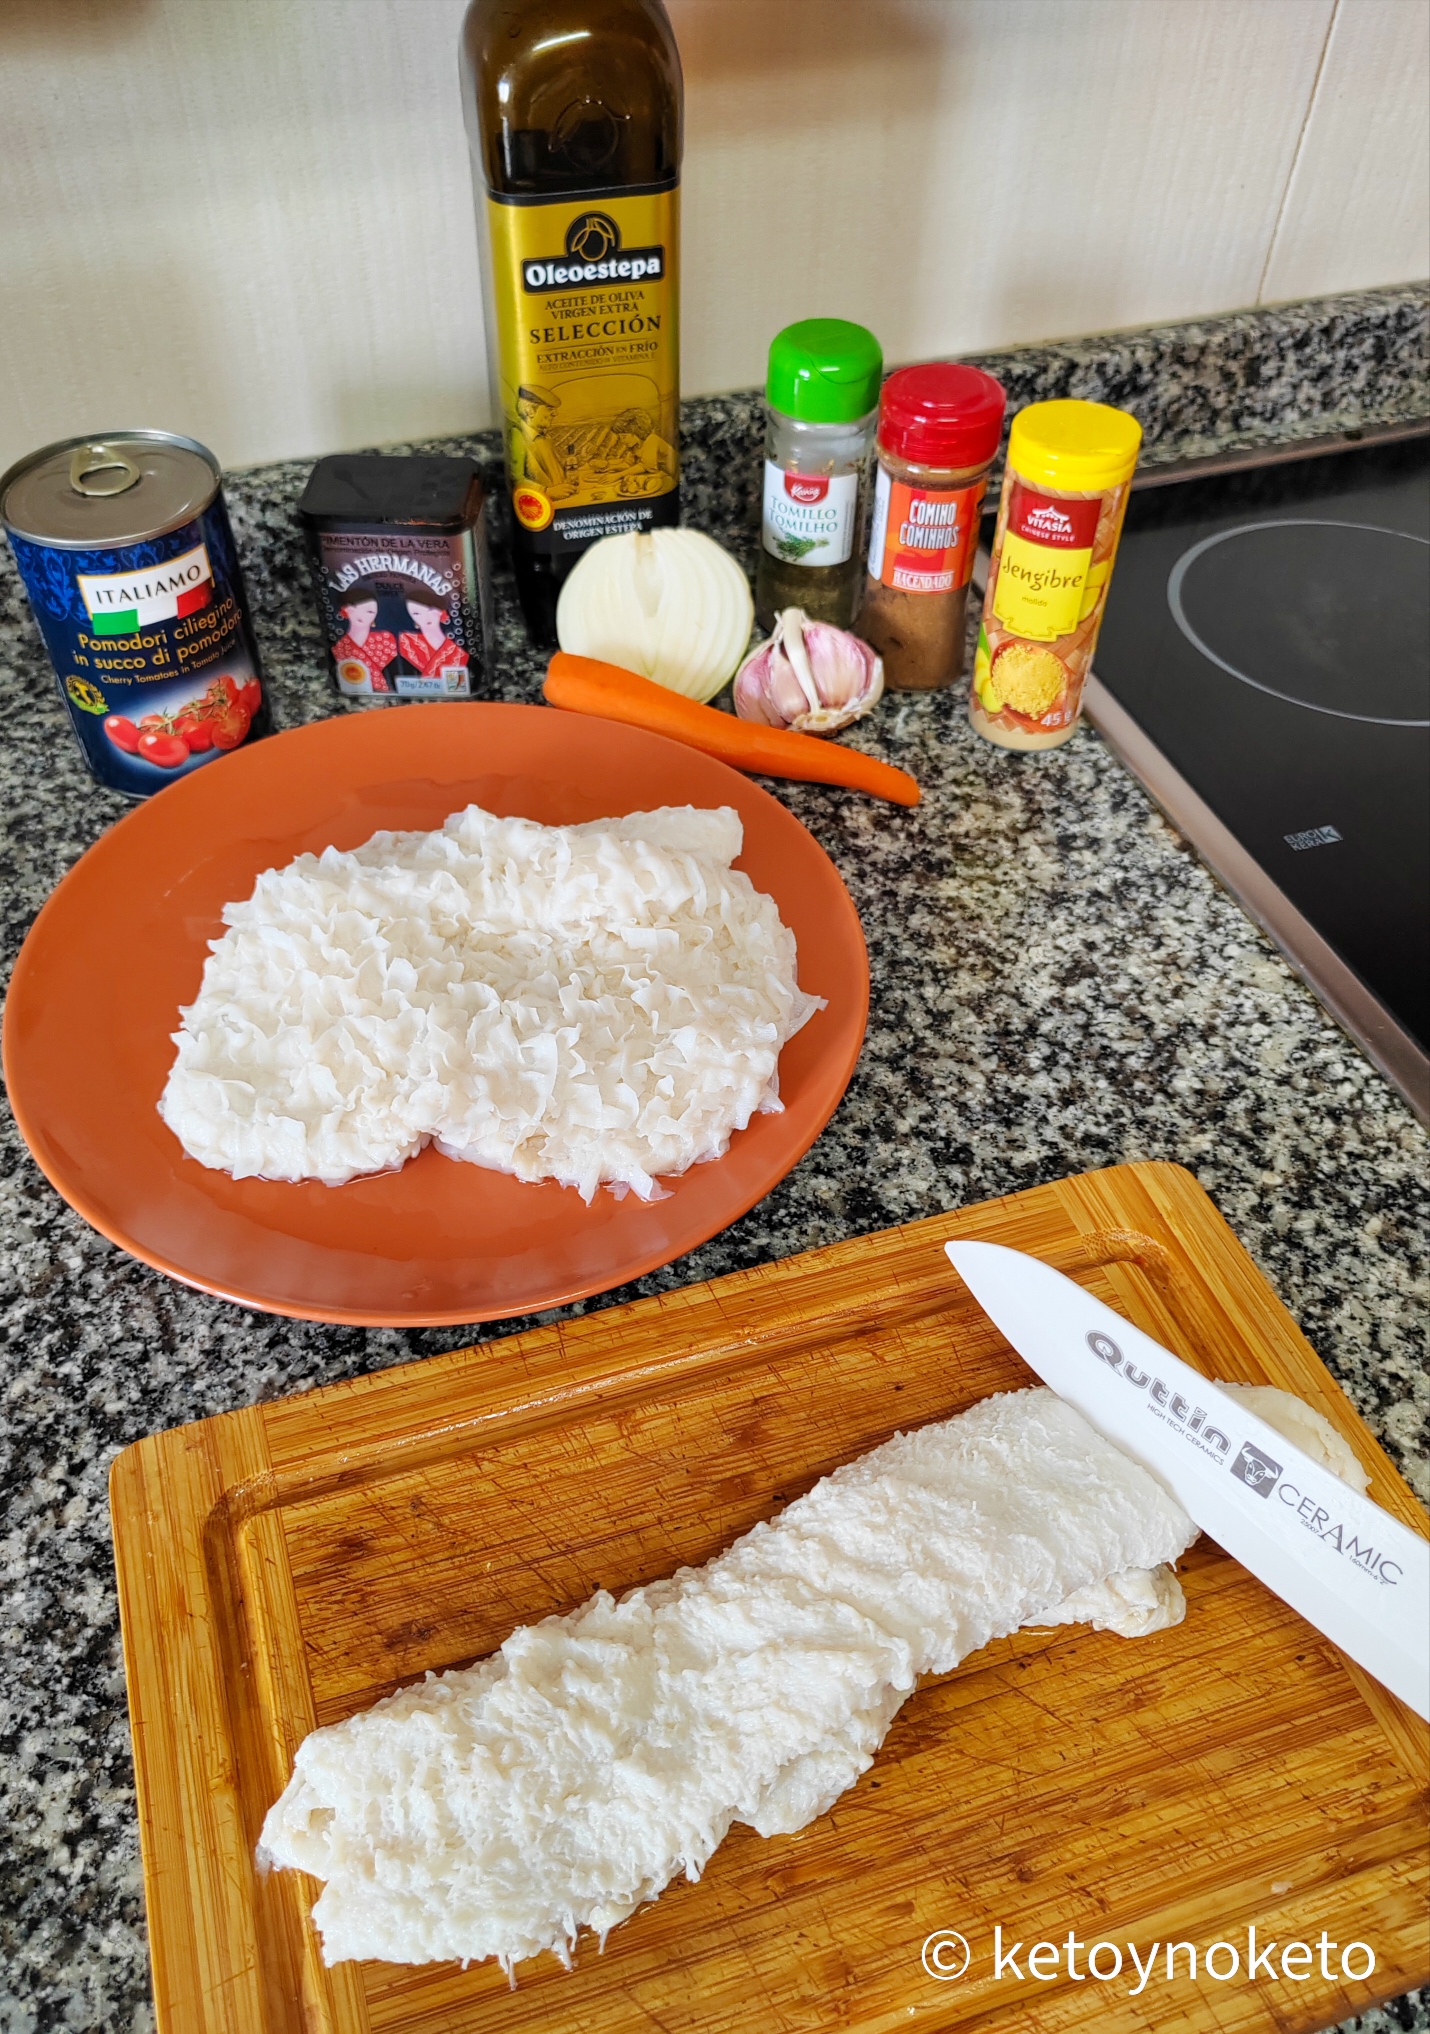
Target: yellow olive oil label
<point>586,297</point>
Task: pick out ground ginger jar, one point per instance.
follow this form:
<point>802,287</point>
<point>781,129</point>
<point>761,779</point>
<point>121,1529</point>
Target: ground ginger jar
<point>1065,493</point>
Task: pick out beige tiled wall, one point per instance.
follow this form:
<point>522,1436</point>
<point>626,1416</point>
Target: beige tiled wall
<point>251,219</point>
<point>1355,210</point>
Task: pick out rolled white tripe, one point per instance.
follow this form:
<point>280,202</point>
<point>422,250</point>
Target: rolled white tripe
<point>1306,1428</point>
<point>497,1810</point>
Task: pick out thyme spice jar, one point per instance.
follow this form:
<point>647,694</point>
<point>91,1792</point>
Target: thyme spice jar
<point>1064,496</point>
<point>821,400</point>
<point>939,427</point>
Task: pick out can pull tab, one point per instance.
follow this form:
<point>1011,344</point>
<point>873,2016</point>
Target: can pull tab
<point>101,470</point>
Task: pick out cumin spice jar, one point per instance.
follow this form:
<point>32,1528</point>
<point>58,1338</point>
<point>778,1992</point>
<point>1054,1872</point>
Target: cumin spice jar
<point>1065,493</point>
<point>939,427</point>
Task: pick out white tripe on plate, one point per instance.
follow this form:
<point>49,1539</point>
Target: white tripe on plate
<point>496,1810</point>
<point>603,1003</point>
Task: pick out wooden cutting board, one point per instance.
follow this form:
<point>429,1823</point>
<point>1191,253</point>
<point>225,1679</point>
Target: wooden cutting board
<point>283,1566</point>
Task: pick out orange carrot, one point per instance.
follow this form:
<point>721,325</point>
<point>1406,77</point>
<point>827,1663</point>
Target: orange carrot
<point>586,685</point>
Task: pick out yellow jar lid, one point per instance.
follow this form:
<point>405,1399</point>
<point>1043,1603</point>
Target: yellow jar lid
<point>1077,447</point>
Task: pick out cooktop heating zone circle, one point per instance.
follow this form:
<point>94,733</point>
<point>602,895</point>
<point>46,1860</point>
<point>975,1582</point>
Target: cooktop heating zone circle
<point>1331,616</point>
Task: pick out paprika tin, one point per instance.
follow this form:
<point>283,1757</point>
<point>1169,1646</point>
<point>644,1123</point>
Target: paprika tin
<point>399,555</point>
<point>124,545</point>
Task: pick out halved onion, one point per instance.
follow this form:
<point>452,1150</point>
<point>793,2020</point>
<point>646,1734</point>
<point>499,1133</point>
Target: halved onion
<point>670,604</point>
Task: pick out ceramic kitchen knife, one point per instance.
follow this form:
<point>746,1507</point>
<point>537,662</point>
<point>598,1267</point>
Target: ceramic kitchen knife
<point>1345,1564</point>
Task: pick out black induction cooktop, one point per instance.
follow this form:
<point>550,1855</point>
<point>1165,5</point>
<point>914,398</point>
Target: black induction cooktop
<point>1264,665</point>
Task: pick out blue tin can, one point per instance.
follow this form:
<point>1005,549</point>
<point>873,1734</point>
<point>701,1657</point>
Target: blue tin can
<point>125,548</point>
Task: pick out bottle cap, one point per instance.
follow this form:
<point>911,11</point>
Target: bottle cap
<point>942,414</point>
<point>824,371</point>
<point>1076,446</point>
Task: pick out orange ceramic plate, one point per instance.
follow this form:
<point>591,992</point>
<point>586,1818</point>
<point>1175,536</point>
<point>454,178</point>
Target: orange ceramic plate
<point>122,942</point>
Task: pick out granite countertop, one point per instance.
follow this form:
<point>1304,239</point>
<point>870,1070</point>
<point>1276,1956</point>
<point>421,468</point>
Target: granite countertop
<point>1058,984</point>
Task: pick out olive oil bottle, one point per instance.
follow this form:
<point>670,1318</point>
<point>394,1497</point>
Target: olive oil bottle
<point>574,116</point>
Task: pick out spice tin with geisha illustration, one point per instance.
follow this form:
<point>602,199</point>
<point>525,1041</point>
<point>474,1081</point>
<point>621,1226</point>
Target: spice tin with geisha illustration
<point>124,545</point>
<point>399,556</point>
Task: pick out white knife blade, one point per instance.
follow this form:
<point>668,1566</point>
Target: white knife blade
<point>1344,1563</point>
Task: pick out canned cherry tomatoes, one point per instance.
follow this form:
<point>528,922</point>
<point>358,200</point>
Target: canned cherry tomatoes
<point>125,548</point>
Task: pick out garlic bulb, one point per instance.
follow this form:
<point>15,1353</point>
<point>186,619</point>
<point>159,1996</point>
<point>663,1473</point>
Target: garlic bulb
<point>809,676</point>
<point>669,604</point>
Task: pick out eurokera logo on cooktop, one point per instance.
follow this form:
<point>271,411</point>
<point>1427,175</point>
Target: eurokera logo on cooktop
<point>594,254</point>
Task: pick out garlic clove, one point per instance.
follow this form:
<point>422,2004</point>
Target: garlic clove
<point>753,699</point>
<point>809,676</point>
<point>846,671</point>
<point>775,684</point>
<point>789,637</point>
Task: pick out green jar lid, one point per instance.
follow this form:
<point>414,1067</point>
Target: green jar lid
<point>824,371</point>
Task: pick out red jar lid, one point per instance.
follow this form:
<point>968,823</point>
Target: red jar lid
<point>942,414</point>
